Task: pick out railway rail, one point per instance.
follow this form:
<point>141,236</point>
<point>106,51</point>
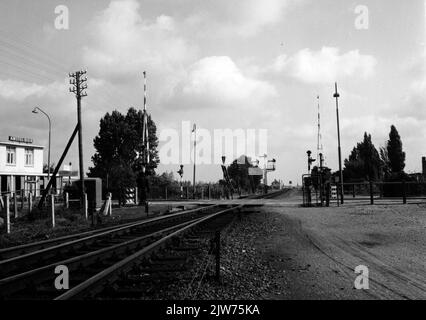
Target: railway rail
<point>98,261</point>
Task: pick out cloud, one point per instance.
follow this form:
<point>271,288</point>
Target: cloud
<point>219,79</point>
<point>326,65</point>
<point>242,18</point>
<point>125,44</point>
<point>18,91</point>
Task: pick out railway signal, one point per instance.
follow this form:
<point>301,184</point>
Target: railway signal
<point>180,172</point>
<point>310,160</point>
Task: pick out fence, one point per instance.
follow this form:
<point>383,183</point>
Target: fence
<point>392,192</point>
<point>15,205</point>
<point>205,192</point>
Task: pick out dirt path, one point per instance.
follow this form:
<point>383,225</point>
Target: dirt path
<point>317,249</point>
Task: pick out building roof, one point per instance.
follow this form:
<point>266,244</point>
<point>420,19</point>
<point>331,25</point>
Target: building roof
<point>18,144</point>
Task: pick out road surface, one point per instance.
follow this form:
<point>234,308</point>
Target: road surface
<point>317,250</point>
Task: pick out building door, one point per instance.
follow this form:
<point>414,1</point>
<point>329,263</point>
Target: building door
<point>18,184</point>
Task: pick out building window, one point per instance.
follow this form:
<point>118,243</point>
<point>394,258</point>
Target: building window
<point>11,155</point>
<point>29,157</point>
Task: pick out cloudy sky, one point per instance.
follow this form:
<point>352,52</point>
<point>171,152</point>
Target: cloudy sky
<point>223,64</point>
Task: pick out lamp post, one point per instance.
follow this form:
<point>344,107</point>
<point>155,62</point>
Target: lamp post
<point>36,110</point>
<point>337,95</point>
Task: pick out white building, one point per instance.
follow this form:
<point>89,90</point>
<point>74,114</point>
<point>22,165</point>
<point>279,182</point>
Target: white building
<point>21,166</point>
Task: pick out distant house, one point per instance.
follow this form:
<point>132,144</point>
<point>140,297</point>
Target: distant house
<point>276,184</point>
<point>21,165</point>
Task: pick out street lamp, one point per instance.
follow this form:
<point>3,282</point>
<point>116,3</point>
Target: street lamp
<point>36,110</point>
<point>337,95</point>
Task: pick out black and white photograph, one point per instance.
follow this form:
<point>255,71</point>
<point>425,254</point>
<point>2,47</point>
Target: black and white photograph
<point>212,158</point>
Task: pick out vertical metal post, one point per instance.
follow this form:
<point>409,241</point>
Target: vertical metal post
<point>110,204</point>
<point>336,95</point>
<point>7,203</point>
<point>86,215</point>
<point>15,204</point>
<point>30,202</point>
<point>67,199</point>
<point>371,193</point>
<point>52,208</point>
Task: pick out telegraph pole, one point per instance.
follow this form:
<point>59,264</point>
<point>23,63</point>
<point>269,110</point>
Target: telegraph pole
<point>336,95</point>
<point>194,129</point>
<point>78,88</point>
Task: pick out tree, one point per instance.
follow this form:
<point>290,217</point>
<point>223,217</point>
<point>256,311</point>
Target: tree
<point>386,167</point>
<point>368,153</point>
<point>395,153</point>
<point>117,147</point>
<point>363,162</point>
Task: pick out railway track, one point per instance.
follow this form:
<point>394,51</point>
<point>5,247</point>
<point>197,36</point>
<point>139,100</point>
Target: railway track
<point>32,275</point>
<point>15,251</point>
<point>110,262</point>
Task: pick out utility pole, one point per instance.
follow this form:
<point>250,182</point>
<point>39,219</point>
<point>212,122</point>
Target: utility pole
<point>194,130</point>
<point>337,95</point>
<point>78,88</point>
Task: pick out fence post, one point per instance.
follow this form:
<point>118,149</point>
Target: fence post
<point>166,192</point>
<point>15,205</point>
<point>22,199</point>
<point>67,200</point>
<point>404,192</point>
<point>7,214</point>
<point>52,208</point>
<point>136,196</point>
<point>85,206</point>
<point>110,204</point>
<point>210,194</point>
<point>371,193</point>
<point>186,193</point>
<point>30,202</point>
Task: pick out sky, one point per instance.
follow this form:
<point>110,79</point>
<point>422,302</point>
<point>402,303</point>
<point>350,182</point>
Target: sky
<point>222,64</point>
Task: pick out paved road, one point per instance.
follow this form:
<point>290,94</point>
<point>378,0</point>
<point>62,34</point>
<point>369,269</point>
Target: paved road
<point>317,249</point>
